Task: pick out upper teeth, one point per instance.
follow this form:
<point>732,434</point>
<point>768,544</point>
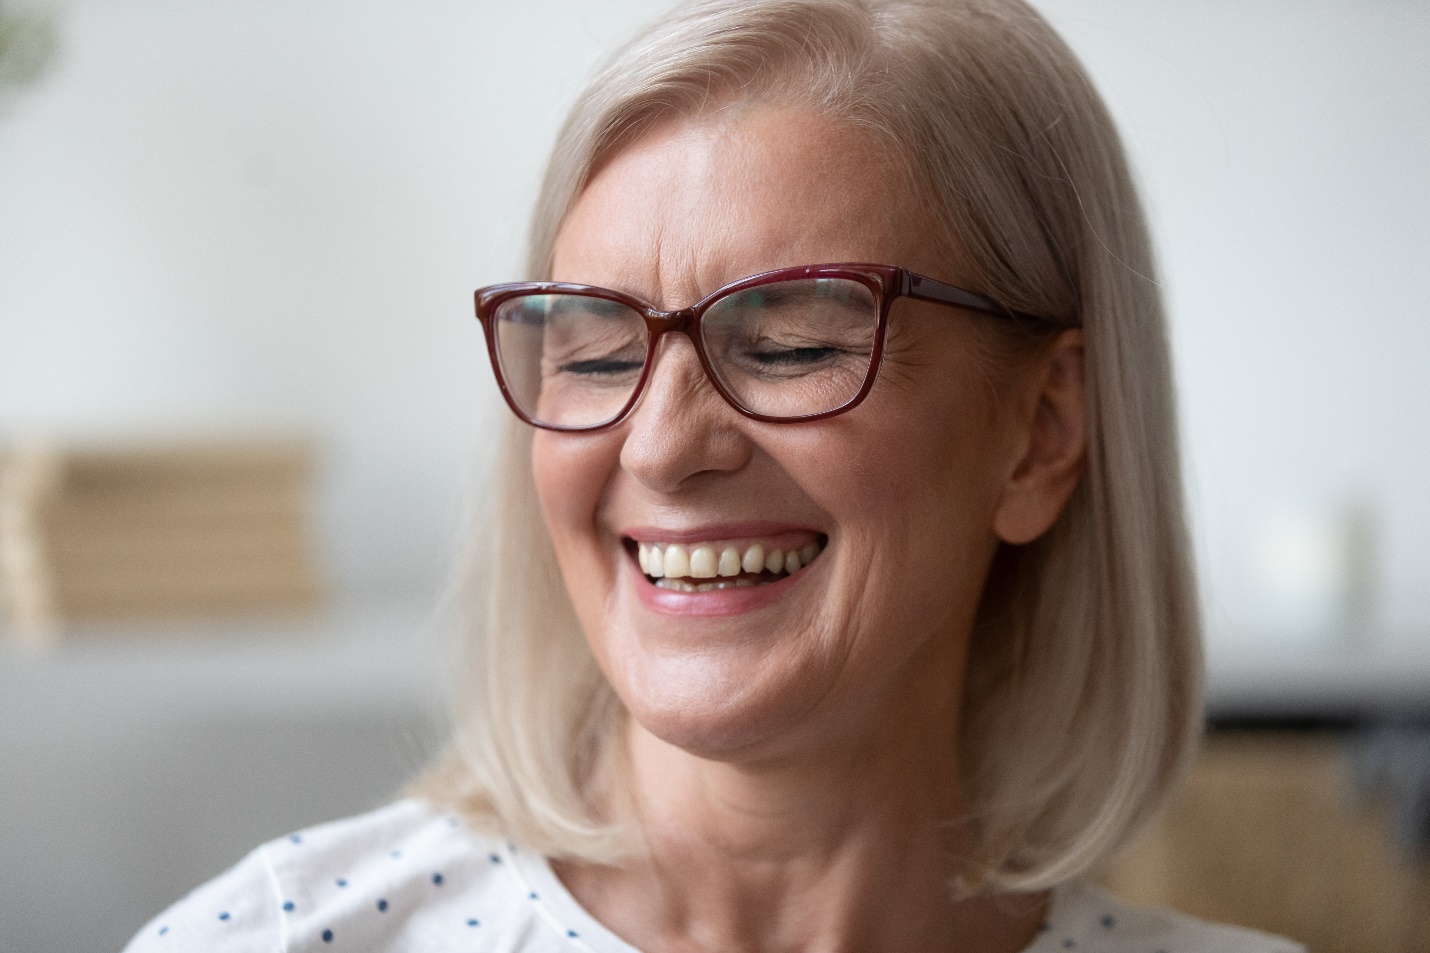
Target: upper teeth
<point>709,560</point>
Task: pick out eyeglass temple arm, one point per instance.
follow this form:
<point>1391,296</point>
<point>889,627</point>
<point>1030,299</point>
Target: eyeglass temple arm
<point>922,288</point>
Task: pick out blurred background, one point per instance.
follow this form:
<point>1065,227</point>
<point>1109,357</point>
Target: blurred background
<point>244,403</point>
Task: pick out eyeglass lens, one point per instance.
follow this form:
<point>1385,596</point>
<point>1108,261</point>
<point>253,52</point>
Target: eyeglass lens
<point>784,349</point>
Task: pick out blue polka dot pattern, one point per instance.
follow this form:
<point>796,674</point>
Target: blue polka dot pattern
<point>481,876</point>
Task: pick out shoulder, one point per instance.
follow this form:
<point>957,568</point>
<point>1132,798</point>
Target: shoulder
<point>1083,917</point>
<point>235,911</point>
<point>405,877</point>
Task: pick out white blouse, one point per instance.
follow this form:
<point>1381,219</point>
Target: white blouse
<point>409,878</point>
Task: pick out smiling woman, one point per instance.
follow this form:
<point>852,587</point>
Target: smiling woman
<point>838,594</point>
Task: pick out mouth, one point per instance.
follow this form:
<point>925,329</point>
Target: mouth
<point>725,564</point>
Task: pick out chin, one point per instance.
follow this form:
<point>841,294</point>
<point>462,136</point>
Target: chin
<point>719,716</point>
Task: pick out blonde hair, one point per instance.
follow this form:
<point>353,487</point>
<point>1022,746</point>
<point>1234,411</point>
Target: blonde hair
<point>1084,694</point>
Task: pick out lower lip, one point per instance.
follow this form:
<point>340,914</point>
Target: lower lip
<point>715,602</point>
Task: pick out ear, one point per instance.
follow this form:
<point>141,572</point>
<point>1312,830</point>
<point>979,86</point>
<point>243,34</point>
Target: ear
<point>1050,434</point>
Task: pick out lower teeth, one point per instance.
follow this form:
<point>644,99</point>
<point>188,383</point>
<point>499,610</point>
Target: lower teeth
<point>680,585</point>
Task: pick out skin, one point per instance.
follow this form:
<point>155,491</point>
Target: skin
<point>793,766</point>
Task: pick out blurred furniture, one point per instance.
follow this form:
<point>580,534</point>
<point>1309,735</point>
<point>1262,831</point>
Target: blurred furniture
<point>1270,832</point>
<point>1377,676</point>
<point>94,533</point>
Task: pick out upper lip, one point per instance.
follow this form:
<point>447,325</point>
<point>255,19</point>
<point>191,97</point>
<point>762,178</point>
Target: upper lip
<point>714,531</point>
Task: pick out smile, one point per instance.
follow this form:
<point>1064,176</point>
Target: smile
<point>731,564</point>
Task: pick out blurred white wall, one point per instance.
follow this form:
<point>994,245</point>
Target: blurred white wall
<point>228,215</point>
<point>234,215</point>
<point>1285,151</point>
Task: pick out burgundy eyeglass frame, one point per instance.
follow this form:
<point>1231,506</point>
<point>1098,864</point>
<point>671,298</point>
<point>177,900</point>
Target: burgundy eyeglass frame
<point>886,282</point>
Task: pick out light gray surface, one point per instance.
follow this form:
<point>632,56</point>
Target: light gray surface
<point>1248,680</point>
<point>354,657</point>
<point>136,761</point>
<point>133,768</point>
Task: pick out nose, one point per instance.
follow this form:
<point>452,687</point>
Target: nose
<point>682,429</point>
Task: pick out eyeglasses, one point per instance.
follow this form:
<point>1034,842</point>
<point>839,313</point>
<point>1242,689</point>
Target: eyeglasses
<point>785,346</point>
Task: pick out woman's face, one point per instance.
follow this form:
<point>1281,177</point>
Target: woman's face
<point>902,492</point>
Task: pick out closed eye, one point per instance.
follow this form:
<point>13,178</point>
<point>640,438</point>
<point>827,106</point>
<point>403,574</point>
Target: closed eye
<point>794,356</point>
<point>602,365</point>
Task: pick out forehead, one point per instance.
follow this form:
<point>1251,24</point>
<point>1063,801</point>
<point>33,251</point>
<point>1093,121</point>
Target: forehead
<point>698,202</point>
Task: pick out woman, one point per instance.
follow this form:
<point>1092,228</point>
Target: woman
<point>839,595</point>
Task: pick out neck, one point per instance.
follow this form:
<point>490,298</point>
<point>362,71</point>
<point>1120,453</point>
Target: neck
<point>845,846</point>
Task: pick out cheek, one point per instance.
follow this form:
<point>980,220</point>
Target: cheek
<point>922,463</point>
<point>912,480</point>
<point>571,473</point>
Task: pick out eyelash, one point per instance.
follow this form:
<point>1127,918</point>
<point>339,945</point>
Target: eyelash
<point>600,366</point>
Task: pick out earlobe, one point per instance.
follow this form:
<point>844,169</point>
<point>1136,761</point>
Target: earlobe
<point>1053,436</point>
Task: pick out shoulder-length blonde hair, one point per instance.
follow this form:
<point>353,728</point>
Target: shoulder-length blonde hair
<point>1084,693</point>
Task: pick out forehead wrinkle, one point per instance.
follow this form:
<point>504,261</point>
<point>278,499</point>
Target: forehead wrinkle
<point>677,260</point>
<point>725,198</point>
<point>658,261</point>
<point>621,229</point>
<point>702,231</point>
<point>692,218</point>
